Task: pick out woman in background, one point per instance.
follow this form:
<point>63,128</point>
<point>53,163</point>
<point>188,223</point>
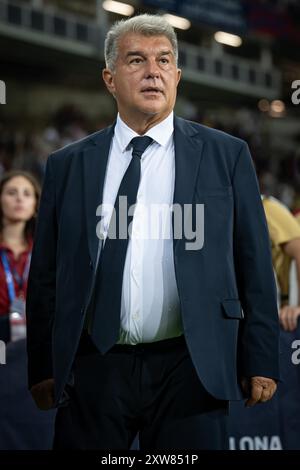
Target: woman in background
<point>22,426</point>
<point>19,198</point>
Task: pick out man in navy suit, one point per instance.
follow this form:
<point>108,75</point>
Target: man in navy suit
<point>156,332</point>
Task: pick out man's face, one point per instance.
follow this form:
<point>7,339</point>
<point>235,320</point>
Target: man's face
<point>145,79</point>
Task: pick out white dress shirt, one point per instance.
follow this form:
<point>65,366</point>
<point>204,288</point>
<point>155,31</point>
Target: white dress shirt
<point>150,309</point>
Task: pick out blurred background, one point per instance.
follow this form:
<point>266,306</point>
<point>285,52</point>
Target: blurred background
<point>240,60</point>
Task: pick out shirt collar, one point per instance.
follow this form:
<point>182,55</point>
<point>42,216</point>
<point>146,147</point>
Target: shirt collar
<point>161,133</point>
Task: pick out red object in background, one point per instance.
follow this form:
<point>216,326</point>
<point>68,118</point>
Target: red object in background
<point>267,18</point>
<point>296,212</point>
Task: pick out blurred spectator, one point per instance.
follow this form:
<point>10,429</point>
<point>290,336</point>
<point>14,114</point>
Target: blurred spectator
<point>285,239</point>
<point>19,198</point>
<point>22,426</point>
<point>28,150</point>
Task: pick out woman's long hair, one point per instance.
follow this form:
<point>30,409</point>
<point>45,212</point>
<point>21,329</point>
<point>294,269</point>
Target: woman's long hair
<point>30,224</point>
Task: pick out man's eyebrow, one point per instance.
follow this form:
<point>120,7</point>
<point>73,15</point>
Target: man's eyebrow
<point>130,53</point>
<point>166,52</point>
<point>141,53</point>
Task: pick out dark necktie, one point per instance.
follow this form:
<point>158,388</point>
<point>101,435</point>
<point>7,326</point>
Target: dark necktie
<point>105,326</point>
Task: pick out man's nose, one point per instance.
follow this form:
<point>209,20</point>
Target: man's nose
<point>152,69</point>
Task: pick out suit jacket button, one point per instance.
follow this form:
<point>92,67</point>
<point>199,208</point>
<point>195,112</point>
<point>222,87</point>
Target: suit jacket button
<point>91,264</point>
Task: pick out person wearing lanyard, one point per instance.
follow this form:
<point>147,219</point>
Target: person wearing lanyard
<point>19,196</point>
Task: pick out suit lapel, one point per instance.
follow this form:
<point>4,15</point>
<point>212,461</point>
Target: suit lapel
<point>188,156</point>
<point>94,167</point>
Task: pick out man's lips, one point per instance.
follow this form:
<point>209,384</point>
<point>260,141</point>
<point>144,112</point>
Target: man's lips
<point>151,90</point>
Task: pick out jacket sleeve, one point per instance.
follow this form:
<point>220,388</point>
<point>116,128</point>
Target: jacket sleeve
<point>259,333</point>
<point>40,300</point>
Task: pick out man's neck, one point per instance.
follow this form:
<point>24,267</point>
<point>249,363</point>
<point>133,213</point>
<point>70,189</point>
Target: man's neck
<point>144,123</point>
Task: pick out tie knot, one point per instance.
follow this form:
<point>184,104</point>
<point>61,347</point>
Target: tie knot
<point>139,145</point>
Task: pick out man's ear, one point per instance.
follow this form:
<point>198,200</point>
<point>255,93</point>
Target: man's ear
<point>108,78</point>
<point>178,75</point>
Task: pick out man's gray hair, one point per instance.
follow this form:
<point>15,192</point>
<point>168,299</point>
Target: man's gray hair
<point>146,25</point>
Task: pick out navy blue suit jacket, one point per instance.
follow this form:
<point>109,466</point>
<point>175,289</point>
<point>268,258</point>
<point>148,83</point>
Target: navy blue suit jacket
<point>226,289</point>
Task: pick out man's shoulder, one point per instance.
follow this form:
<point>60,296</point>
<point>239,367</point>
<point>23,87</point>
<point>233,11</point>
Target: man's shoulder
<point>276,208</point>
<point>273,204</point>
<point>80,145</point>
<point>280,218</point>
<point>209,133</point>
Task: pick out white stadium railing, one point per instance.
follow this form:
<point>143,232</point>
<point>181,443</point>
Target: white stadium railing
<point>209,66</point>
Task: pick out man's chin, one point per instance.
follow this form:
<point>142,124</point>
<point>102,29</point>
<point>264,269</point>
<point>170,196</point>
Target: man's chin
<point>152,110</point>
